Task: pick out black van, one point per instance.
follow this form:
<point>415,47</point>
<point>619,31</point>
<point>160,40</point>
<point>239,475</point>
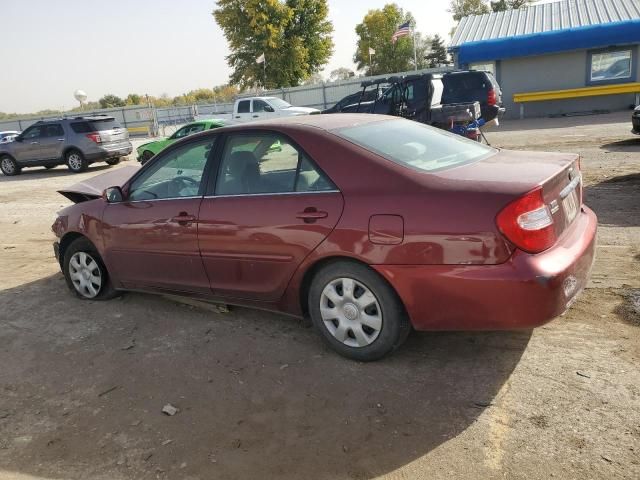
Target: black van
<point>474,85</point>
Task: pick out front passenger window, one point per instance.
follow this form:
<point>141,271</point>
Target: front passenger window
<point>176,174</point>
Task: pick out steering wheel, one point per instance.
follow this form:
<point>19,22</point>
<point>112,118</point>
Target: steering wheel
<point>177,184</point>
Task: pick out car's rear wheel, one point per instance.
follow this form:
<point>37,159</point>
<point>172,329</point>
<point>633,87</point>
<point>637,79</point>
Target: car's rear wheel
<point>113,161</point>
<point>358,314</point>
<point>9,166</point>
<point>85,272</point>
<point>146,156</point>
<point>76,161</point>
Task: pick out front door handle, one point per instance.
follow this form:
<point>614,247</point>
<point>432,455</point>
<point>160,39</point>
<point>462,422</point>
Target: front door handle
<point>183,218</point>
<point>256,116</point>
<point>311,214</point>
<point>34,143</point>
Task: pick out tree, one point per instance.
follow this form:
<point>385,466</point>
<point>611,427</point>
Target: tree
<point>293,35</point>
<point>341,73</point>
<point>111,101</point>
<point>437,55</point>
<point>375,32</point>
<point>464,8</point>
<point>133,99</point>
<point>313,79</point>
<point>502,5</point>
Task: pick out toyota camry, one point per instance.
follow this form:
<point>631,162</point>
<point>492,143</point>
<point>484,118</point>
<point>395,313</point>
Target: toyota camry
<point>369,225</point>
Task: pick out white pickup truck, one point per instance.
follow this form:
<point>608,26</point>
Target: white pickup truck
<point>262,108</point>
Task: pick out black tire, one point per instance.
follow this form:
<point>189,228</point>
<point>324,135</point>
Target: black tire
<point>113,161</point>
<point>395,325</point>
<point>146,156</point>
<point>75,161</point>
<point>105,291</point>
<point>9,166</point>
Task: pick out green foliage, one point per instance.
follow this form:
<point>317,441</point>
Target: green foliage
<point>502,5</point>
<point>294,35</point>
<point>464,8</point>
<point>375,32</point>
<point>111,101</point>
<point>133,99</point>
<point>437,55</point>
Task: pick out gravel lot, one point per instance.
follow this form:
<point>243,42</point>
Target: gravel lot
<point>82,384</point>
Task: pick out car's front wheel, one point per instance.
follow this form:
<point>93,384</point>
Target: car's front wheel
<point>146,156</point>
<point>9,166</point>
<point>76,161</point>
<point>358,314</point>
<point>113,161</point>
<point>85,272</point>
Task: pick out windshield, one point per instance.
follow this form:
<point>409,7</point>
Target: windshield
<point>278,103</point>
<point>415,145</point>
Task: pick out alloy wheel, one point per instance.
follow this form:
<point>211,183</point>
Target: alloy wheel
<point>351,312</point>
<point>8,166</point>
<point>85,274</point>
<point>75,162</point>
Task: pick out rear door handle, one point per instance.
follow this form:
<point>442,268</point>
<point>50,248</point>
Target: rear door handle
<point>310,215</point>
<point>184,219</point>
<point>61,139</point>
<point>255,116</point>
<point>35,143</point>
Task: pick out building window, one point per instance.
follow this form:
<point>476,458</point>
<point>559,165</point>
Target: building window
<point>611,65</point>
<point>486,67</point>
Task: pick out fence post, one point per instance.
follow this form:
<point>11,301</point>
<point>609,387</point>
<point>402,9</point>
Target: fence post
<point>324,96</point>
<point>19,124</point>
<point>124,118</point>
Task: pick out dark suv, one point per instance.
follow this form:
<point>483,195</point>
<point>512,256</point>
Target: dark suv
<point>76,142</point>
<point>474,85</point>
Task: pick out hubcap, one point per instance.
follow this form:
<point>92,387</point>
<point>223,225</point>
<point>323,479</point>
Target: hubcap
<point>351,312</point>
<point>7,165</point>
<point>74,161</point>
<point>85,274</point>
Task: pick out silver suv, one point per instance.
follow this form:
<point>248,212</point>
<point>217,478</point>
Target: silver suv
<point>75,142</point>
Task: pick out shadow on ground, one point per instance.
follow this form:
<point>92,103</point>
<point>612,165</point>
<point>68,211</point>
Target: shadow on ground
<point>83,384</point>
<point>628,145</point>
<point>544,123</point>
<point>616,200</point>
<point>59,171</point>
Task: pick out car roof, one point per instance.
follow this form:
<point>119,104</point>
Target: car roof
<point>208,121</point>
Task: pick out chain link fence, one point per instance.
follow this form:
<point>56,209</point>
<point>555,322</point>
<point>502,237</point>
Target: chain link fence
<point>149,121</point>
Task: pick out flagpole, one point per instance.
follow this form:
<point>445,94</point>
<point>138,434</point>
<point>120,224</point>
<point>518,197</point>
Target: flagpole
<point>415,56</point>
<point>264,71</point>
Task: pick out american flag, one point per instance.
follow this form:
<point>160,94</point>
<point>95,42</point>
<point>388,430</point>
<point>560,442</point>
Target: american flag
<point>403,30</point>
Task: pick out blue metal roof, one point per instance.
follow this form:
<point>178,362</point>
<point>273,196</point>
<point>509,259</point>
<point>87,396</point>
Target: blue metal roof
<point>547,28</point>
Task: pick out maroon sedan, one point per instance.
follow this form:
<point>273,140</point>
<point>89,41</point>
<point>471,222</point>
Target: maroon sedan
<point>370,225</point>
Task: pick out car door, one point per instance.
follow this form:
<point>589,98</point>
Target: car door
<point>261,109</point>
<point>271,207</point>
<point>150,238</point>
<point>52,141</point>
<point>243,114</point>
<point>28,148</point>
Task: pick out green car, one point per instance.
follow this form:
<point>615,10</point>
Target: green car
<point>147,151</point>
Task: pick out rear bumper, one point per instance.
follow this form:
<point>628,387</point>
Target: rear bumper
<point>524,292</point>
<point>107,153</point>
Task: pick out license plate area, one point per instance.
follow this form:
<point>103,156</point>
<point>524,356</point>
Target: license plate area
<point>570,205</point>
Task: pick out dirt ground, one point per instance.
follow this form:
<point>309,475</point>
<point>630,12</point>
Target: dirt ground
<point>82,384</point>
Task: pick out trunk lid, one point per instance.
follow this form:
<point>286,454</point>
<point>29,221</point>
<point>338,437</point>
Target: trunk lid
<point>513,174</point>
<point>92,188</point>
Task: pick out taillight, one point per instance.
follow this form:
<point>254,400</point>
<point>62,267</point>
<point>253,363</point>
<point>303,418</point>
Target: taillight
<point>492,98</point>
<point>95,136</point>
<point>527,223</point>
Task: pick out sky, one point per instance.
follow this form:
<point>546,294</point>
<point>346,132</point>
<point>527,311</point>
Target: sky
<point>52,48</point>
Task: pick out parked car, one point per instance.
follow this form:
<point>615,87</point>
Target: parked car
<point>420,228</point>
<point>263,108</point>
<point>76,142</point>
<point>146,151</point>
<point>635,121</point>
<point>471,86</point>
<point>354,99</point>
<point>8,136</point>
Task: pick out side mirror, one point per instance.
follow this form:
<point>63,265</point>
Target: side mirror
<point>268,108</point>
<point>113,195</point>
<point>18,138</point>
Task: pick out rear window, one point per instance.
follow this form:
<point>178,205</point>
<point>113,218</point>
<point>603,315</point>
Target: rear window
<point>87,126</point>
<point>467,81</point>
<point>415,145</point>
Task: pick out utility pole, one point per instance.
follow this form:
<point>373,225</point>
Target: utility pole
<point>415,56</point>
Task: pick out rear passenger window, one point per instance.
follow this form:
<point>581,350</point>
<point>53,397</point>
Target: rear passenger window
<point>267,164</point>
<point>81,127</point>
<point>243,106</point>
<point>54,131</point>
